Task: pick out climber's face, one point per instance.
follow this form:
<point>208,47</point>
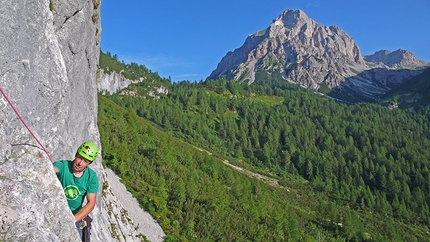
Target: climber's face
<point>80,163</point>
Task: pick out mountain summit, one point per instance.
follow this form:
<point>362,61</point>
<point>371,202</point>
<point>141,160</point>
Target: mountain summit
<point>303,50</point>
<point>399,57</point>
<point>313,55</point>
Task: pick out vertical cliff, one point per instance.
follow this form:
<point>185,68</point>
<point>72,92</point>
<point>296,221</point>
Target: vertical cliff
<point>113,82</point>
<point>49,51</point>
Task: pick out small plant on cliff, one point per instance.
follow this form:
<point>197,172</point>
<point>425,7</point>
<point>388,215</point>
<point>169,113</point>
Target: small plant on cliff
<point>96,18</point>
<point>51,6</point>
<point>96,4</point>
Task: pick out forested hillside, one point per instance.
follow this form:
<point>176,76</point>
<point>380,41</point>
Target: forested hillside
<point>356,172</point>
<point>413,93</point>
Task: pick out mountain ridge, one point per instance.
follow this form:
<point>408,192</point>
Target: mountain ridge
<point>311,55</point>
<point>398,57</point>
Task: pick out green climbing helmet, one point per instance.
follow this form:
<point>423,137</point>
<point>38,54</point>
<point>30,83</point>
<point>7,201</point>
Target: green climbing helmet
<point>88,150</point>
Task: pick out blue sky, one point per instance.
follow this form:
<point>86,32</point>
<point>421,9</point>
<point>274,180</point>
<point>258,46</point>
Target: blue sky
<point>186,39</point>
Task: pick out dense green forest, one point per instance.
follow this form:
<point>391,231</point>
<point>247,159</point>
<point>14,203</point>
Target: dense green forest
<point>346,172</point>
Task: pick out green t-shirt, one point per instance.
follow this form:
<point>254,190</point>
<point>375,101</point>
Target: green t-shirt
<point>76,188</point>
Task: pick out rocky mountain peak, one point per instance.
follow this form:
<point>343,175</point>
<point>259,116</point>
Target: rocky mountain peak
<point>299,48</point>
<point>290,19</point>
<point>399,57</point>
<point>313,55</point>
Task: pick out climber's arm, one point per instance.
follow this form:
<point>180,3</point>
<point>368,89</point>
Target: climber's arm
<point>85,210</point>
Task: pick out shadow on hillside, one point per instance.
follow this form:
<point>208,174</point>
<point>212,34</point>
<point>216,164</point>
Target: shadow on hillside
<point>372,85</point>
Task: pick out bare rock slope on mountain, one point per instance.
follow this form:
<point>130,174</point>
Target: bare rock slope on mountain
<point>305,52</point>
<point>398,58</point>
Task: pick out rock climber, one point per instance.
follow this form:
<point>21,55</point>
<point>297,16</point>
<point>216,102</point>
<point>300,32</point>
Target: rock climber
<point>79,182</point>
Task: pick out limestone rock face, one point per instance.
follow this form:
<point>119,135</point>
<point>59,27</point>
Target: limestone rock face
<point>113,82</point>
<point>399,57</point>
<point>49,52</point>
<point>305,52</point>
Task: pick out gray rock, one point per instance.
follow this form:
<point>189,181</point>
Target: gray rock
<point>49,51</point>
<point>113,82</point>
<point>132,221</point>
<point>43,87</point>
<point>303,50</point>
<point>311,54</point>
<point>400,57</point>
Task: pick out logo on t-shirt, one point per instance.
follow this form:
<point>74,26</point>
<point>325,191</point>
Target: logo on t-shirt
<point>72,192</point>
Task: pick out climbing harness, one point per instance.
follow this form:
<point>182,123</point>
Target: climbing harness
<point>86,228</point>
<point>23,122</point>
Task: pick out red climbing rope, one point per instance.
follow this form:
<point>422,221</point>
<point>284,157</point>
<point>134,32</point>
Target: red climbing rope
<point>29,130</point>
